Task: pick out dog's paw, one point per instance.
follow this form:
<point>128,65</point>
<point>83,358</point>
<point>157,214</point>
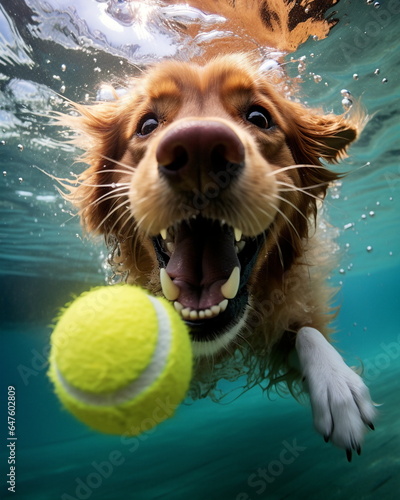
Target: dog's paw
<point>341,404</point>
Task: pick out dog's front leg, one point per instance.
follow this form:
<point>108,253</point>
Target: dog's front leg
<point>340,401</point>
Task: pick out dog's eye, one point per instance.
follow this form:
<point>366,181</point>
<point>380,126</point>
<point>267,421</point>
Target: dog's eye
<point>147,125</point>
<point>259,116</point>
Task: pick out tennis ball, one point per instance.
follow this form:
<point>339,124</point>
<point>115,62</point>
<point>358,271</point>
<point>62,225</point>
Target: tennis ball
<point>120,359</point>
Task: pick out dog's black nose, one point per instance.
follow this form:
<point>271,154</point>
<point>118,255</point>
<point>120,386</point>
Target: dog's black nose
<point>194,152</point>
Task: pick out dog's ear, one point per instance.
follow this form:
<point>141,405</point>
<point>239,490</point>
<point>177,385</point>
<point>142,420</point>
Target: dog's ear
<point>313,136</point>
<point>100,132</point>
<point>97,127</point>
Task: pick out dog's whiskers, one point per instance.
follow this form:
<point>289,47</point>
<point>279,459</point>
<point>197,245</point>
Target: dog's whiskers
<point>292,205</point>
<point>126,166</point>
<point>109,214</point>
<point>292,188</point>
<point>287,220</point>
<point>274,173</point>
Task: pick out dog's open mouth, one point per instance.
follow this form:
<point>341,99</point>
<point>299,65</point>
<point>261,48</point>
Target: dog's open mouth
<point>204,269</point>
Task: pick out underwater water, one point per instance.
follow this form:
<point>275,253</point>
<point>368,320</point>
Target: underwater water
<point>247,448</point>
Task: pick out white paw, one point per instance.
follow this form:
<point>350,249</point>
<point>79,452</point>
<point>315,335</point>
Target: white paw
<point>340,401</point>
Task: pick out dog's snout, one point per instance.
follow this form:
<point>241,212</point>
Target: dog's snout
<point>193,150</point>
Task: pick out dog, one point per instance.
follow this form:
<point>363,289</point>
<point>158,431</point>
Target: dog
<point>207,181</point>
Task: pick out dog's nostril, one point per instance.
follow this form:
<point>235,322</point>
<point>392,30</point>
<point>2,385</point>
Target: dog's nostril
<point>180,158</point>
<point>218,157</point>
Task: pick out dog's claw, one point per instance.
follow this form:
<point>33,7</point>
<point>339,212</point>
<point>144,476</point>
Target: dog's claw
<point>358,449</point>
<point>371,426</point>
<point>348,454</point>
<point>326,439</point>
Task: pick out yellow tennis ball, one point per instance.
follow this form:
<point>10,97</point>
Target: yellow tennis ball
<point>120,359</point>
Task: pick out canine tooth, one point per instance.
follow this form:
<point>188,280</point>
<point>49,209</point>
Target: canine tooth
<point>238,234</point>
<point>193,314</point>
<point>178,306</point>
<point>230,288</point>
<point>170,247</point>
<point>170,290</point>
<point>163,233</point>
<point>240,245</point>
<point>185,313</point>
<point>223,305</point>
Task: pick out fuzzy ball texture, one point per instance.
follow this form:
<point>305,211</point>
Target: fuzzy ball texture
<point>120,359</point>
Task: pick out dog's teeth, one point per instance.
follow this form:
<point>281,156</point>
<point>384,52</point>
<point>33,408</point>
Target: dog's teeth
<point>170,290</point>
<point>163,233</point>
<point>178,306</point>
<point>215,310</point>
<point>240,245</point>
<point>238,234</point>
<point>223,305</point>
<point>193,314</point>
<point>185,313</point>
<point>170,247</point>
<point>230,288</point>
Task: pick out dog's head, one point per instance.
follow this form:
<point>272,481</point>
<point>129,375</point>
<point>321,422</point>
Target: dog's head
<point>206,174</point>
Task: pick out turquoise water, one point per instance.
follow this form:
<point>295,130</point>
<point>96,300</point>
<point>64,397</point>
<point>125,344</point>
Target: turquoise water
<point>208,451</point>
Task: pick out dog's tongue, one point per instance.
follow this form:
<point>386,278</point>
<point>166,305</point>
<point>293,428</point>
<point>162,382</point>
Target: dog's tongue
<point>202,261</point>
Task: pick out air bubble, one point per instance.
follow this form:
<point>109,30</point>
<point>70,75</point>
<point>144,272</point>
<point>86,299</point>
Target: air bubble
<point>4,173</point>
<point>371,213</point>
<point>342,271</point>
<point>355,76</point>
<point>377,71</point>
<point>370,2</point>
<point>3,143</point>
<point>301,67</point>
<point>345,93</point>
<point>63,67</point>
<point>315,38</point>
<point>369,248</point>
<point>21,180</point>
<point>347,103</point>
<point>20,147</point>
<point>317,78</point>
<point>377,5</point>
<point>363,216</point>
<point>62,89</point>
<point>384,80</point>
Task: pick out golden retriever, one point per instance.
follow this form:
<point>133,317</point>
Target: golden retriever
<point>206,181</point>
